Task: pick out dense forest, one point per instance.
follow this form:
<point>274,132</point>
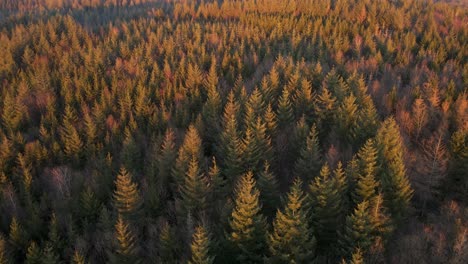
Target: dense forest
<point>247,131</point>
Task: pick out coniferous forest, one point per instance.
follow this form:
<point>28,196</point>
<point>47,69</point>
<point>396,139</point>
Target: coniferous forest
<point>235,131</point>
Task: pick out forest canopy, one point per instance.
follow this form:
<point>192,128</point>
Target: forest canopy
<point>247,131</point>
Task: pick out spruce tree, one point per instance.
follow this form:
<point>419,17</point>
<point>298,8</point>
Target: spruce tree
<point>191,148</point>
<point>126,196</point>
<point>126,251</point>
<point>285,110</point>
<point>212,107</point>
<point>230,147</point>
<point>3,251</point>
<point>201,247</point>
<point>309,163</point>
<point>366,186</point>
<point>194,189</point>
<point>247,224</point>
<point>358,230</point>
<point>71,140</point>
<point>168,252</point>
<point>269,190</point>
<point>292,240</point>
<point>327,208</point>
<point>33,254</point>
<point>78,258</point>
<point>395,184</point>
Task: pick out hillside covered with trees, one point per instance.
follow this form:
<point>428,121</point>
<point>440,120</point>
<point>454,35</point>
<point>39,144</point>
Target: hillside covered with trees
<point>235,131</point>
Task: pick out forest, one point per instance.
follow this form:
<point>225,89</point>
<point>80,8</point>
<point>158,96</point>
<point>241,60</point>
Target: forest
<point>233,131</point>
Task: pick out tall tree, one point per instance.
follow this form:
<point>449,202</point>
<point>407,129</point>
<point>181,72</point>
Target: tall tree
<point>194,189</point>
<point>358,230</point>
<point>126,196</point>
<point>126,251</point>
<point>247,224</point>
<point>309,163</point>
<point>269,189</point>
<point>396,186</point>
<point>201,247</point>
<point>285,110</point>
<point>366,186</point>
<point>327,208</point>
<point>292,240</point>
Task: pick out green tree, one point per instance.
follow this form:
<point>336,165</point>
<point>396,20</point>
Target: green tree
<point>366,186</point>
<point>168,245</point>
<point>309,163</point>
<point>33,254</point>
<point>395,184</point>
<point>230,145</point>
<point>327,208</point>
<point>292,240</point>
<point>194,189</point>
<point>285,110</point>
<point>358,230</point>
<point>191,149</point>
<point>49,256</point>
<point>269,189</point>
<point>126,196</point>
<point>247,224</point>
<point>212,108</point>
<point>201,247</point>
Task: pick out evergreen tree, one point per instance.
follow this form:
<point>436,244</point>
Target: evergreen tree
<point>395,184</point>
<point>33,255</point>
<point>194,189</point>
<point>126,196</point>
<point>285,110</point>
<point>358,230</point>
<point>191,149</point>
<point>292,240</point>
<point>78,258</point>
<point>3,251</point>
<point>327,208</point>
<point>71,140</point>
<point>247,224</point>
<point>49,256</point>
<point>270,120</point>
<point>126,243</point>
<point>230,147</point>
<point>269,190</point>
<point>201,247</point>
<point>168,245</point>
<point>309,162</point>
<point>17,237</point>
<point>212,107</point>
<point>366,185</point>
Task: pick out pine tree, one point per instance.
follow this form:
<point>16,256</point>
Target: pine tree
<point>201,247</point>
<point>126,196</point>
<point>72,143</point>
<point>395,184</point>
<point>194,189</point>
<point>309,163</point>
<point>357,257</point>
<point>285,110</point>
<point>17,237</point>
<point>126,243</point>
<point>48,255</point>
<point>3,251</point>
<point>191,148</point>
<point>212,107</point>
<point>327,208</point>
<point>346,118</point>
<point>33,255</point>
<point>366,185</point>
<point>168,245</point>
<point>89,204</point>
<point>230,147</point>
<point>216,183</point>
<point>367,122</point>
<point>256,146</point>
<point>166,159</point>
<point>78,258</point>
<point>292,240</point>
<point>55,241</point>
<point>25,174</point>
<point>325,107</point>
<point>358,230</point>
<point>270,120</point>
<point>247,224</point>
<point>269,189</point>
